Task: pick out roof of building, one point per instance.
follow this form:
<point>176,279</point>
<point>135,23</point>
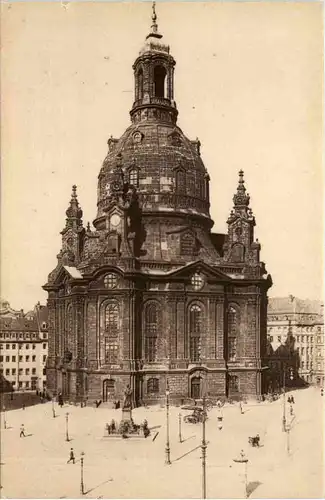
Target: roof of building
<point>294,305</point>
<point>31,321</point>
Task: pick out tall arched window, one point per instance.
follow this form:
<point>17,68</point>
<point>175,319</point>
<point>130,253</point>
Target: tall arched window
<point>140,83</point>
<point>180,181</point>
<point>232,333</point>
<point>159,81</point>
<point>111,333</point>
<point>195,326</point>
<point>111,320</point>
<point>69,340</point>
<point>151,332</point>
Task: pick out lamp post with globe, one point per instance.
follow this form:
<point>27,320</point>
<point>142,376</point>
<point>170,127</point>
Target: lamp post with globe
<point>167,449</point>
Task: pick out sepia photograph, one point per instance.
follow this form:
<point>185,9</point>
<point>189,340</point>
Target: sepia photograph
<point>162,249</point>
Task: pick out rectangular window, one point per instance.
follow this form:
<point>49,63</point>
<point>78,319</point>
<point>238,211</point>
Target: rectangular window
<point>13,359</point>
<point>1,346</point>
<point>34,385</point>
<point>27,371</point>
<point>20,385</point>
<point>311,339</point>
<point>1,359</point>
<point>33,371</point>
<point>150,349</point>
<point>44,359</point>
<point>44,346</point>
<point>34,346</point>
<point>279,338</point>
<point>271,338</point>
<point>13,346</point>
<point>232,348</point>
<point>7,359</point>
<point>20,371</point>
<point>302,365</point>
<point>7,346</point>
<point>20,358</point>
<point>302,351</point>
<point>27,346</point>
<point>13,371</point>
<point>33,358</point>
<point>27,358</point>
<point>44,371</point>
<point>7,371</point>
<point>111,351</point>
<point>20,346</point>
<point>27,385</point>
<point>195,348</point>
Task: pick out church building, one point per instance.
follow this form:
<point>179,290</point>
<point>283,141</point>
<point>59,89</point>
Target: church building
<point>149,295</point>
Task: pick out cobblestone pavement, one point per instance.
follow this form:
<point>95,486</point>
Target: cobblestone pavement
<point>36,466</point>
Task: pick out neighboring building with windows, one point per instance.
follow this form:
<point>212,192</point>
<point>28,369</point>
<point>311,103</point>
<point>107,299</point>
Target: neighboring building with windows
<point>149,292</point>
<point>295,330</point>
<point>23,348</point>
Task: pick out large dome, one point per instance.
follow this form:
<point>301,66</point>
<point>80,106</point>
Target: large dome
<point>162,163</point>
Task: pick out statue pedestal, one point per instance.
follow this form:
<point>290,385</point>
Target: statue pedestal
<point>126,414</point>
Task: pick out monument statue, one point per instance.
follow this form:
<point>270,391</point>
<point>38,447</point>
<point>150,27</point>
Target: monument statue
<point>127,403</point>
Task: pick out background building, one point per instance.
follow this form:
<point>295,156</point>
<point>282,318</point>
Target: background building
<point>150,294</point>
<point>23,348</point>
<point>295,330</point>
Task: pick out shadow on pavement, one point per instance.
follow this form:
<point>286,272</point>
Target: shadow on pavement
<point>97,486</point>
<point>252,487</point>
<point>185,454</point>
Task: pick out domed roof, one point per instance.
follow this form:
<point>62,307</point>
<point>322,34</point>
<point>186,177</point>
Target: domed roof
<point>165,165</point>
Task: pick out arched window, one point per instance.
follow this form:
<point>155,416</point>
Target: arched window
<point>68,339</point>
<point>159,81</point>
<point>111,320</point>
<point>151,332</point>
<point>140,84</point>
<point>153,386</point>
<point>232,333</point>
<point>187,244</point>
<point>134,177</point>
<point>195,325</point>
<point>180,182</point>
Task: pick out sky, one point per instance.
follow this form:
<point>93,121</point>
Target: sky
<point>248,84</point>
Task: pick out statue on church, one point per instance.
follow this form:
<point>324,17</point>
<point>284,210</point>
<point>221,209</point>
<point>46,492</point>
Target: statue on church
<point>127,402</point>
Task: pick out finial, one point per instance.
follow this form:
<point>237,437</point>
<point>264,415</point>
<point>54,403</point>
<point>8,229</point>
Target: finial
<point>88,227</point>
<point>154,18</point>
<point>241,177</point>
<point>74,191</point>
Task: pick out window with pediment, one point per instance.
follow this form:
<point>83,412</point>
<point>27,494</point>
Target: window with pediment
<point>151,332</point>
<point>195,330</point>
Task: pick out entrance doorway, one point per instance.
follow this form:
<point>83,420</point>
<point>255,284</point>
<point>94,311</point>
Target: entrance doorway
<point>108,390</point>
<point>196,388</point>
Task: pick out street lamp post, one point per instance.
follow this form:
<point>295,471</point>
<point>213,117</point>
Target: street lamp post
<point>4,418</point>
<point>67,426</point>
<point>204,448</point>
<point>288,426</point>
<point>167,449</point>
<point>284,400</point>
<point>53,409</point>
<point>180,428</point>
<point>82,486</point>
<point>243,460</point>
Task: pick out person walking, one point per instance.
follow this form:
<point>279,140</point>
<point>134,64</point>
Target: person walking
<point>22,431</point>
<point>72,457</point>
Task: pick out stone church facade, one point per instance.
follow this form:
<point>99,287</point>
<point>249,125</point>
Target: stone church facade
<point>149,294</point>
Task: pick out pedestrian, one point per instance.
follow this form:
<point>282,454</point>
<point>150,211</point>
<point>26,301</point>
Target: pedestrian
<point>23,406</point>
<point>291,410</point>
<point>241,407</point>
<point>22,431</point>
<point>72,458</point>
